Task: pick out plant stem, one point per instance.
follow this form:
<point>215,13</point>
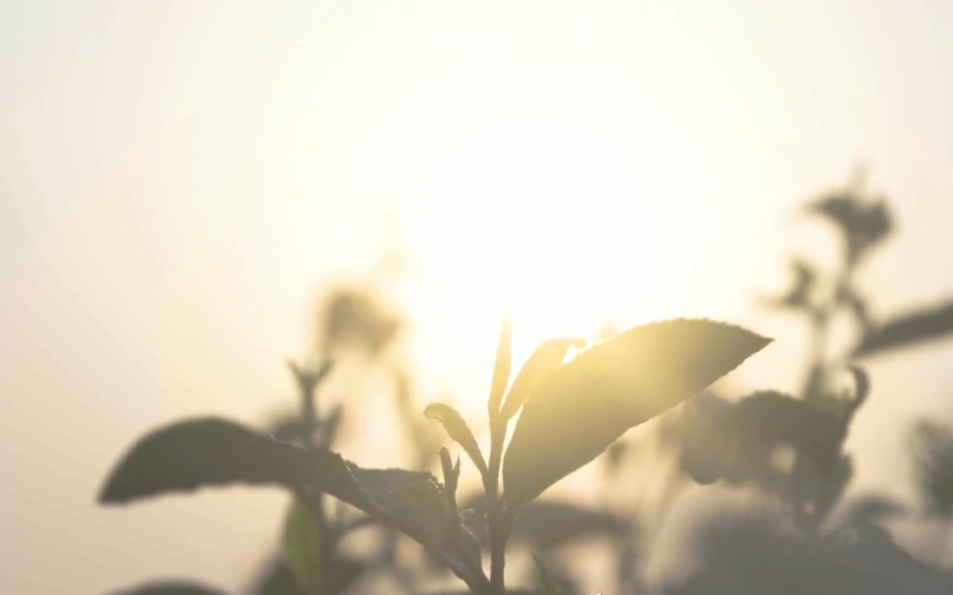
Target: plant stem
<point>496,517</point>
<point>315,503</point>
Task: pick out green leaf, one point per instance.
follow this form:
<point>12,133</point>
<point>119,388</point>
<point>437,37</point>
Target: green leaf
<point>501,370</point>
<point>171,588</point>
<point>546,578</point>
<point>546,359</point>
<point>303,548</point>
<point>907,330</point>
<point>188,455</point>
<point>458,431</point>
<point>590,402</point>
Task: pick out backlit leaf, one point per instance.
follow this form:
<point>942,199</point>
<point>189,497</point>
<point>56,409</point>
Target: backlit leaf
<point>458,430</point>
<point>501,370</point>
<point>546,359</point>
<point>590,402</point>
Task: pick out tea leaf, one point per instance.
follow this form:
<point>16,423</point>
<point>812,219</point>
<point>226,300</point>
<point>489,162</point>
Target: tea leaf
<point>501,370</point>
<point>171,588</point>
<point>188,455</point>
<point>212,452</point>
<point>908,329</point>
<point>590,402</point>
<point>546,359</point>
<point>303,548</point>
<point>458,431</point>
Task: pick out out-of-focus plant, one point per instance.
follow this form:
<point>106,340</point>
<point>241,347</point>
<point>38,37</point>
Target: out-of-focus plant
<point>740,442</point>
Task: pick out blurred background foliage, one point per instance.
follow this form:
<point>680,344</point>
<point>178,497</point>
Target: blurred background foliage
<point>733,491</point>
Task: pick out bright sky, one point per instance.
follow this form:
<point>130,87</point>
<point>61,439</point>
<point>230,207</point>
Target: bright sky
<point>178,180</point>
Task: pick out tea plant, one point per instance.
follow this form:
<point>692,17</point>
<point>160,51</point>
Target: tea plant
<point>570,412</point>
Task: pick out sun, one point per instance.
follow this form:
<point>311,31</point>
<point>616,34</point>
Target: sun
<point>523,196</point>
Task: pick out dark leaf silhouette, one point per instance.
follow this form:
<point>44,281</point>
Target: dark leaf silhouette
<point>209,452</point>
<point>458,430</point>
<point>188,455</point>
<point>588,403</point>
<point>908,329</point>
<point>501,370</point>
<point>546,359</point>
<point>171,588</point>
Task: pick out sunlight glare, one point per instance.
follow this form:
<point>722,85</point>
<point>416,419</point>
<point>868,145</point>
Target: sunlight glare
<point>525,197</point>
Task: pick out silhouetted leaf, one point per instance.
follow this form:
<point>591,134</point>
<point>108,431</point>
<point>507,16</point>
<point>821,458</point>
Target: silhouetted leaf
<point>908,329</point>
<point>207,452</point>
<point>304,549</point>
<point>171,588</point>
<point>458,430</point>
<point>588,403</point>
<point>501,370</point>
<point>546,359</point>
<point>188,455</point>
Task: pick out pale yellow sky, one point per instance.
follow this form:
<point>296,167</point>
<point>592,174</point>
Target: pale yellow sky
<point>178,180</point>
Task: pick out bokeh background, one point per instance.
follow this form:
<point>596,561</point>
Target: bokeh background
<point>181,181</point>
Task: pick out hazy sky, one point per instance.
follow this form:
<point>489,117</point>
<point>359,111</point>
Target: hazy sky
<point>179,179</point>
